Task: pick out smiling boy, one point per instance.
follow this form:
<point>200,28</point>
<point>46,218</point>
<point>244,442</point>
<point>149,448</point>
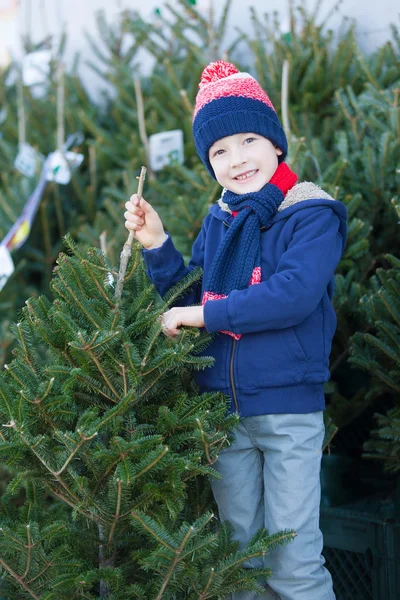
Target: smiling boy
<point>244,162</point>
<point>268,249</point>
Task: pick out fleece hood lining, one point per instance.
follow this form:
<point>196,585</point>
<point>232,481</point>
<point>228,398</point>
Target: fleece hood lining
<point>300,192</point>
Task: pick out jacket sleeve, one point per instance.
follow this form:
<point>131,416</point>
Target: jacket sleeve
<point>293,291</point>
<point>165,267</point>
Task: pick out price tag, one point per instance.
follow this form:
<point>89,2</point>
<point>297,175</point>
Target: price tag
<point>62,165</point>
<point>28,160</point>
<point>36,67</point>
<point>6,266</point>
<point>166,148</point>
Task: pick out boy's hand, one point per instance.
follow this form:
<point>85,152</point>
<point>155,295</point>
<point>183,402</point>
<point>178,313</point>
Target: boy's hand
<point>143,220</point>
<point>191,316</point>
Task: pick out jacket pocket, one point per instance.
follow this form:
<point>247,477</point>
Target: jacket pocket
<point>215,377</point>
<point>270,359</point>
<point>295,346</point>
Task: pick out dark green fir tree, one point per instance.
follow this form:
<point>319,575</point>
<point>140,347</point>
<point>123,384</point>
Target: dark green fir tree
<point>377,352</point>
<point>107,437</point>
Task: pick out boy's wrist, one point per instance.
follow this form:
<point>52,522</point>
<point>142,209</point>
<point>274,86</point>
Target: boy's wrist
<point>158,243</point>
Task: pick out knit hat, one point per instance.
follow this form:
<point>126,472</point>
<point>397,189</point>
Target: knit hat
<point>230,102</point>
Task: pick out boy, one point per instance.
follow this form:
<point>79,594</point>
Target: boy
<point>268,250</point>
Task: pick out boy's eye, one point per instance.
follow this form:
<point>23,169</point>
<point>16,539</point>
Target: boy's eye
<point>219,152</point>
<point>249,140</point>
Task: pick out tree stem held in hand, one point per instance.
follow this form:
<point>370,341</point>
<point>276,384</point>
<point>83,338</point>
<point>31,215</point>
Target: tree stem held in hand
<point>127,249</point>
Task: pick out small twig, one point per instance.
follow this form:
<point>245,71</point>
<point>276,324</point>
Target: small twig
<point>21,113</point>
<point>60,107</point>
<point>29,546</point>
<point>110,276</point>
<point>142,123</point>
<point>127,249</point>
<point>117,512</point>
<point>103,244</point>
<point>178,551</point>
<point>206,445</point>
<point>73,453</point>
<point>186,102</point>
<point>285,93</point>
<point>123,372</point>
<point>93,181</point>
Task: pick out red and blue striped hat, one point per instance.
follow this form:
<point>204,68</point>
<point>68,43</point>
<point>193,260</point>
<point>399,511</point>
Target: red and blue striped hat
<point>230,102</point>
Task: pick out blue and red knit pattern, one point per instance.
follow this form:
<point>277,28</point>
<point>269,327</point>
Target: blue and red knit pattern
<point>230,102</point>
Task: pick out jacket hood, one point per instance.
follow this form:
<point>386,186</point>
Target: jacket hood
<point>301,196</point>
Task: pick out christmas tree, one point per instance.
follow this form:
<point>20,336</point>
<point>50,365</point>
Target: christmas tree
<point>377,352</point>
<point>107,437</point>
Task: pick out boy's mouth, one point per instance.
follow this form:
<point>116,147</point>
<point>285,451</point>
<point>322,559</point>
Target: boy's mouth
<point>245,176</point>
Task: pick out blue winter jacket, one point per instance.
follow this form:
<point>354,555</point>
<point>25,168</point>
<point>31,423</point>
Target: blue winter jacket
<point>281,362</point>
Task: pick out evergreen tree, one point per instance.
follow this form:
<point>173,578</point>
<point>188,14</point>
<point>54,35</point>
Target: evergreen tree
<point>377,352</point>
<point>107,435</point>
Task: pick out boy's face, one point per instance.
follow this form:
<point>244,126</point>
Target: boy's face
<point>244,162</point>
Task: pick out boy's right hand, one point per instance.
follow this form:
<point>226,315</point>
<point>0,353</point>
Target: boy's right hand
<point>143,220</point>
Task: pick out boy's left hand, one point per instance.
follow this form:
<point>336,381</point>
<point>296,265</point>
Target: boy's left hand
<point>191,316</point>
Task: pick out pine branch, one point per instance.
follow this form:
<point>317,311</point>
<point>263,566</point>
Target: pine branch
<point>19,579</point>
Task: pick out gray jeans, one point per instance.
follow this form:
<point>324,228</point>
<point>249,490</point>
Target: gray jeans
<point>270,478</point>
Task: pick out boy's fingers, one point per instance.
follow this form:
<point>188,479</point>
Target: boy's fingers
<point>132,209</point>
<point>134,199</point>
<point>145,205</point>
<point>129,216</point>
<point>131,206</point>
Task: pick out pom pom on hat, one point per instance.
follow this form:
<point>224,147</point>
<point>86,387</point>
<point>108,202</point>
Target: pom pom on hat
<point>230,102</point>
<point>217,70</point>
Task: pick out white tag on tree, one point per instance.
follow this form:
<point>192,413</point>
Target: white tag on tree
<point>166,148</point>
<point>36,67</point>
<point>6,266</point>
<point>62,165</point>
<point>27,160</point>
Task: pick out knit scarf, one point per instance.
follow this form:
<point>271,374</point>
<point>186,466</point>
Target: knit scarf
<point>237,263</point>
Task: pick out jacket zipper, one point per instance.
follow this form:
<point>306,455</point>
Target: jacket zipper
<point>235,400</point>
<point>232,379</point>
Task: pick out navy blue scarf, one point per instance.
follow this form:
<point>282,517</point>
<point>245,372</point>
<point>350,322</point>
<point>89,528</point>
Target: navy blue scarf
<point>239,254</point>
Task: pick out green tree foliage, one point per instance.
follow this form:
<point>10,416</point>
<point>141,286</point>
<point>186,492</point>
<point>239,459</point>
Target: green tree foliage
<point>106,434</point>
<point>378,352</point>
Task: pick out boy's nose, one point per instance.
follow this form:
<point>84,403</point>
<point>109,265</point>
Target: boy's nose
<point>237,158</point>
